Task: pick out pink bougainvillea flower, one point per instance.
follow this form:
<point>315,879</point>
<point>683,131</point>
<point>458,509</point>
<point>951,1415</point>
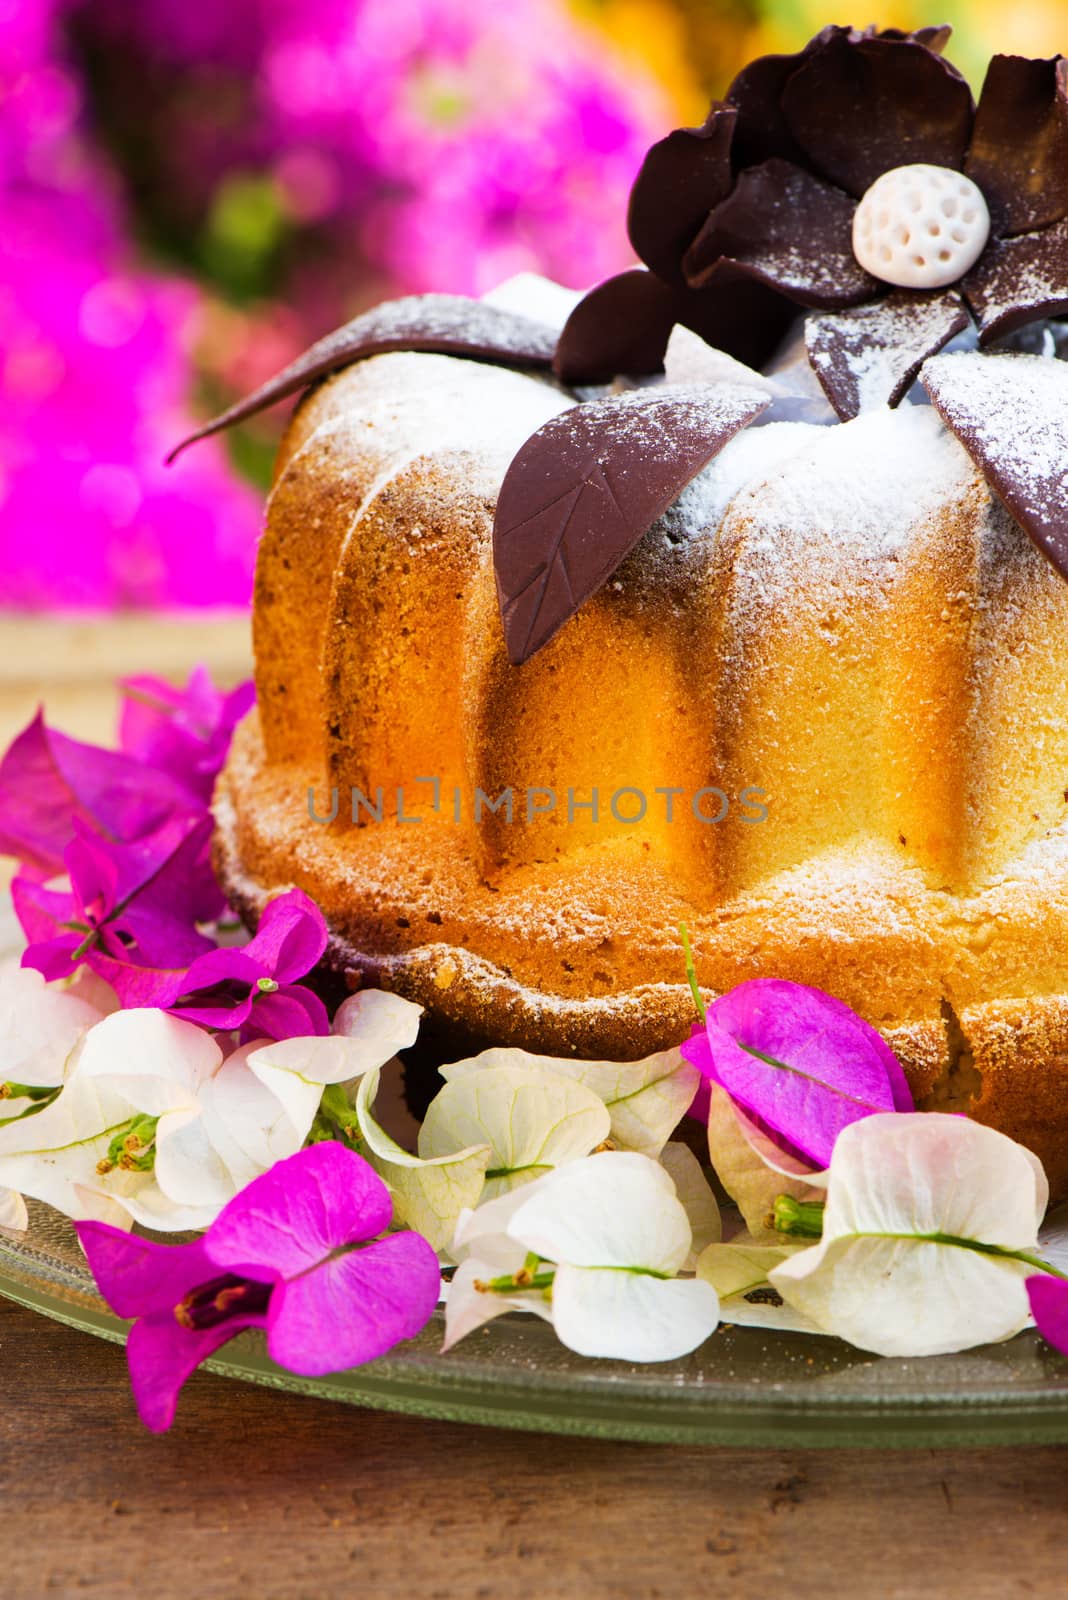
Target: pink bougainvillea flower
<point>254,987</point>
<point>1049,1307</point>
<point>800,1063</point>
<point>297,1253</point>
<point>46,779</point>
<point>129,906</point>
<point>131,915</point>
<point>182,732</point>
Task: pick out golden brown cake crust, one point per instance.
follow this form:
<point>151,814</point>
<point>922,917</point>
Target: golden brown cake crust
<point>888,677</point>
<point>472,961</point>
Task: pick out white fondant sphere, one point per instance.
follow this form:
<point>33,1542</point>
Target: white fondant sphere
<point>920,227</point>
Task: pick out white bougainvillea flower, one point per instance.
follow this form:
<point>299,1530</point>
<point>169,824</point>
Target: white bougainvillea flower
<point>368,1031</point>
<point>154,1121</point>
<point>487,1253</point>
<point>698,1201</point>
<point>646,1099</point>
<point>133,1092</point>
<point>247,1124</point>
<point>751,1167</point>
<point>381,1022</point>
<point>930,1228</point>
<point>532,1120</point>
<point>126,1126</point>
<point>40,1026</point>
<point>428,1195</point>
<point>602,1240</point>
<point>369,1028</point>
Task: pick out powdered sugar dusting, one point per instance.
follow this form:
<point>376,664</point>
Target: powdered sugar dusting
<point>529,294</point>
<point>847,502</point>
<point>750,456</point>
<point>689,360</point>
<point>870,357</point>
<point>409,405</point>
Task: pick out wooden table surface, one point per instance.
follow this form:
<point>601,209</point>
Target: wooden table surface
<point>259,1494</point>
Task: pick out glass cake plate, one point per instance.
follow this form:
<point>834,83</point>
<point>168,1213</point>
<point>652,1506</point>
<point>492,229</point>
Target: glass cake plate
<point>746,1386</point>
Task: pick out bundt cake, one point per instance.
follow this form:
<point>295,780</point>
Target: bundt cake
<point>813,706</point>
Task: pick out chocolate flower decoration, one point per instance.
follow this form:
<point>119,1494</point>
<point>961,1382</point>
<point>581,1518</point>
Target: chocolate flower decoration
<point>854,183</point>
<point>761,201</point>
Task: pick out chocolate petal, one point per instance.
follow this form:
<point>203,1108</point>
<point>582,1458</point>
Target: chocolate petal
<point>450,324</point>
<point>1019,280</point>
<point>1019,151</point>
<point>735,313</point>
<point>871,356</point>
<point>935,38</point>
<point>584,489</point>
<point>1010,413</point>
<point>790,231</point>
<point>762,130</point>
<point>680,180</point>
<point>859,107</point>
<point>622,326</point>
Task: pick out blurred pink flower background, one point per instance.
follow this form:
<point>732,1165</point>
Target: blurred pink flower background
<point>189,193</point>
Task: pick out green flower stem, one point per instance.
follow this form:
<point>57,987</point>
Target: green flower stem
<point>802,1218</point>
<point>508,1172</point>
<point>1028,1257</point>
<point>691,973</point>
<point>511,1283</point>
<point>86,945</point>
<point>26,1091</point>
<point>41,1099</point>
<point>335,1119</point>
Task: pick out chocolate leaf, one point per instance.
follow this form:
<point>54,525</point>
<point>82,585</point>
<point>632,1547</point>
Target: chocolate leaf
<point>1010,413</point>
<point>859,107</point>
<point>584,489</point>
<point>1019,151</point>
<point>450,324</point>
<point>788,230</point>
<point>870,357</point>
<point>622,326</point>
<point>1017,281</point>
<point>680,180</point>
